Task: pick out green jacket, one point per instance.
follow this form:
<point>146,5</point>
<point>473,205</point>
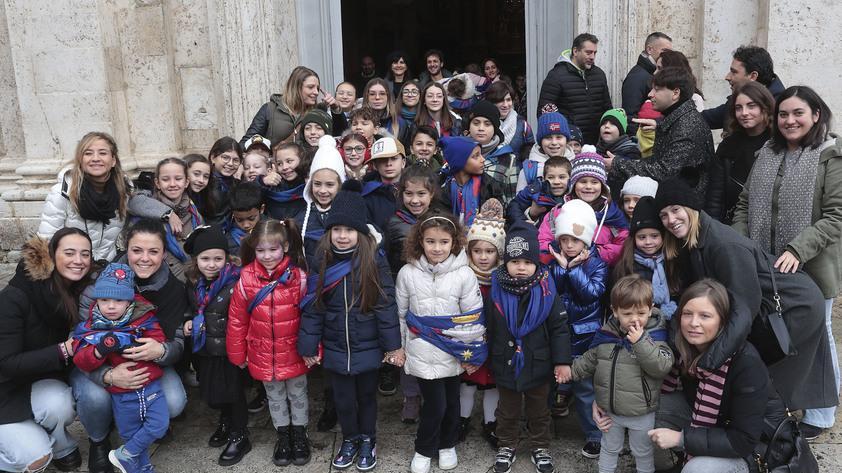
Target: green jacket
<point>818,246</point>
<point>627,383</point>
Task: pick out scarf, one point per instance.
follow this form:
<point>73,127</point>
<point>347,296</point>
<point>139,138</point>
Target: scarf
<point>604,336</point>
<point>189,215</point>
<point>126,333</point>
<point>237,234</point>
<point>508,127</point>
<point>204,294</point>
<point>407,114</point>
<point>708,396</point>
<point>264,291</point>
<point>660,285</point>
<point>333,275</point>
<point>283,196</point>
<point>793,196</point>
<point>98,206</point>
<point>490,147</point>
<point>611,216</point>
<point>223,182</point>
<point>542,295</point>
<point>373,185</point>
<point>314,234</point>
<point>406,216</point>
<point>483,277</point>
<point>536,192</point>
<point>433,329</point>
<point>101,322</point>
<point>464,200</point>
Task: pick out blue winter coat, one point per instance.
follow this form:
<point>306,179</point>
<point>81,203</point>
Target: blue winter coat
<point>380,203</point>
<point>581,289</point>
<point>314,225</point>
<point>354,342</point>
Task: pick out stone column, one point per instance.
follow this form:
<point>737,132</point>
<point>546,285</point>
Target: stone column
<point>11,133</point>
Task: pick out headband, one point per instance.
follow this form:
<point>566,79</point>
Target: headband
<point>439,217</point>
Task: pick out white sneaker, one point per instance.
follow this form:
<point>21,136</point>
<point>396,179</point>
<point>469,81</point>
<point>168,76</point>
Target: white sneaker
<point>447,458</point>
<point>420,464</point>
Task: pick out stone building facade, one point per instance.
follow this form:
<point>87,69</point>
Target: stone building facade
<point>168,77</point>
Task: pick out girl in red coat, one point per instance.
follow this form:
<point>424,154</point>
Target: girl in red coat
<point>263,330</point>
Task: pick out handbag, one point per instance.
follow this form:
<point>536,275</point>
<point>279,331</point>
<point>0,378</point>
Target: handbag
<point>784,451</point>
<point>769,333</point>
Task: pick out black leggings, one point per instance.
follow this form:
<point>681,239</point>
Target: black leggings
<point>355,397</point>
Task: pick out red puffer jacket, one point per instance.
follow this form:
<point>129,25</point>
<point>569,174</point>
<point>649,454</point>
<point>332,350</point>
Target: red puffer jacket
<point>267,337</point>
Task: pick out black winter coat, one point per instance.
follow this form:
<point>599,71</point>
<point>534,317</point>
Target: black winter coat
<point>488,188</point>
<point>544,348</point>
<point>715,117</point>
<point>216,319</point>
<point>636,87</point>
<point>380,204</point>
<point>582,96</point>
<point>729,171</point>
<point>396,232</point>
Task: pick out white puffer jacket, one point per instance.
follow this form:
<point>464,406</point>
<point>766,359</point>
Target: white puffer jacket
<point>448,288</point>
<point>59,213</point>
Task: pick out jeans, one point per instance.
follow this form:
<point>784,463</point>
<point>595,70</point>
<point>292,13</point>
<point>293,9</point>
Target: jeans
<point>584,395</point>
<point>639,442</point>
<point>142,416</point>
<point>673,413</point>
<point>715,464</point>
<point>23,443</point>
<point>438,424</point>
<point>355,397</point>
<point>93,402</point>
<point>824,417</point>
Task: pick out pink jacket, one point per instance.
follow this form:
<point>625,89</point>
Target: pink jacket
<point>608,240</point>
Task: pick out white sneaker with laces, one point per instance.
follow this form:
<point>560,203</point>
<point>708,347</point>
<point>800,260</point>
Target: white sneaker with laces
<point>420,464</point>
<point>447,458</point>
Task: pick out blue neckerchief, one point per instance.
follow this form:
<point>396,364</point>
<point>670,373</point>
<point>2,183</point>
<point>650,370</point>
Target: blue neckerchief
<point>464,200</point>
<point>603,336</point>
<point>224,182</point>
<point>237,235</point>
<point>660,285</point>
<point>462,104</point>
<point>282,197</point>
<point>126,334</point>
<point>173,246</point>
<point>371,186</point>
<point>406,217</point>
<point>614,217</point>
<point>430,328</point>
<point>204,294</point>
<point>267,289</point>
<point>333,275</point>
<point>541,299</point>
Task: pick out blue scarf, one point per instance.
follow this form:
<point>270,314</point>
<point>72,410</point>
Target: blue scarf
<point>541,298</point>
<point>237,234</point>
<point>264,291</point>
<point>406,217</point>
<point>614,218</point>
<point>604,336</point>
<point>125,333</point>
<point>333,275</point>
<point>282,197</point>
<point>660,285</point>
<point>173,246</point>
<point>407,114</point>
<point>430,328</point>
<point>224,182</point>
<point>464,200</point>
<point>373,185</point>
<point>204,294</point>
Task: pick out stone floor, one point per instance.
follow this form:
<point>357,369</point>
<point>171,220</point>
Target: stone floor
<point>188,451</point>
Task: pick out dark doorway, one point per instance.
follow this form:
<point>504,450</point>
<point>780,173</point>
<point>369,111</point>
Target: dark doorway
<point>465,31</point>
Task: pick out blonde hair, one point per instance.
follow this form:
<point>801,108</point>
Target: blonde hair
<point>77,175</point>
<point>672,245</point>
<point>292,91</point>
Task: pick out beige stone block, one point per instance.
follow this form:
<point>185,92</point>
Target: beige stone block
<point>199,141</point>
<point>198,102</point>
<point>77,70</point>
<point>142,31</point>
<point>190,32</point>
<point>153,127</point>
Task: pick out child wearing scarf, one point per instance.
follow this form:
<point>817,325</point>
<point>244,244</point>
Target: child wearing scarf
<point>466,186</point>
<point>529,341</point>
<point>283,189</point>
<point>501,163</point>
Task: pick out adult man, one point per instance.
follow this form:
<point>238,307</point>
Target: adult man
<point>434,59</point>
<point>368,71</point>
<point>683,144</point>
<point>636,85</point>
<point>748,63</point>
<point>577,87</point>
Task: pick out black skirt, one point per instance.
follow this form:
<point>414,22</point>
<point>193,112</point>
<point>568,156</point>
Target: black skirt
<point>220,382</point>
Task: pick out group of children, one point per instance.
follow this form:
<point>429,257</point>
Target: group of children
<point>456,262</point>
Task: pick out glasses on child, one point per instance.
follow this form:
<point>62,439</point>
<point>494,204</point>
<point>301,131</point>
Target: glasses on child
<point>227,158</point>
<point>354,150</point>
<point>410,92</point>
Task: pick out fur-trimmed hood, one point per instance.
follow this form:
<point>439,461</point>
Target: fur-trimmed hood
<point>35,259</point>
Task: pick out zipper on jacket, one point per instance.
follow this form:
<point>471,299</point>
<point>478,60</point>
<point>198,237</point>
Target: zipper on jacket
<point>614,357</point>
<point>347,335</point>
<point>272,324</point>
<point>647,395</point>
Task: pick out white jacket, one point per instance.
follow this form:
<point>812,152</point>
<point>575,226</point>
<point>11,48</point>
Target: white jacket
<point>448,288</point>
<point>59,213</point>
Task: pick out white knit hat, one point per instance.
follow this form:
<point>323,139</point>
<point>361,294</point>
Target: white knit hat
<point>641,186</point>
<point>326,157</point>
<point>577,219</point>
<point>488,225</point>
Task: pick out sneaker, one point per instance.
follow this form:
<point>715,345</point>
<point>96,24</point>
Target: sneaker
<point>504,460</point>
<point>346,455</point>
<point>420,464</point>
<point>367,458</point>
<point>560,405</point>
<point>591,450</point>
<point>258,403</point>
<point>124,462</point>
<point>387,385</point>
<point>464,428</point>
<point>447,459</point>
<point>810,432</point>
<point>489,432</point>
<point>411,409</point>
<point>542,460</point>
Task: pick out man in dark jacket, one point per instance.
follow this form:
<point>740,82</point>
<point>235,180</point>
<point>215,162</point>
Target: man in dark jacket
<point>748,63</point>
<point>578,88</point>
<point>434,60</point>
<point>636,85</point>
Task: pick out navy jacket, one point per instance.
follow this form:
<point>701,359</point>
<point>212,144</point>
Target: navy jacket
<point>636,88</point>
<point>581,289</point>
<point>380,204</point>
<point>281,211</point>
<point>315,223</point>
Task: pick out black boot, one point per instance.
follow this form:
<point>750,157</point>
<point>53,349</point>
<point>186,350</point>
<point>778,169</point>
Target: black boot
<point>283,448</point>
<point>464,428</point>
<point>300,445</point>
<point>98,457</point>
<point>238,446</point>
<point>327,420</point>
<point>220,435</point>
<point>489,432</point>
<point>69,462</point>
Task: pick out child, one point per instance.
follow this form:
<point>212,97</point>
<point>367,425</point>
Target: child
<point>466,186</point>
<point>365,121</point>
<point>576,140</point>
<point>628,361</point>
<point>580,276</point>
<point>485,253</point>
<point>501,165</point>
<point>116,320</point>
<point>533,201</point>
<point>255,165</point>
<point>212,278</point>
<point>613,140</point>
<point>440,309</point>
<point>226,155</point>
<point>258,144</point>
<point>635,188</point>
<point>263,330</point>
<point>417,190</point>
<point>286,199</point>
<point>313,125</point>
<point>643,254</point>
<point>388,159</point>
<point>356,152</point>
<point>350,310</point>
<point>434,111</point>
<point>588,183</point>
<point>424,149</point>
<point>529,345</point>
<point>551,141</point>
<point>246,210</point>
<point>199,182</point>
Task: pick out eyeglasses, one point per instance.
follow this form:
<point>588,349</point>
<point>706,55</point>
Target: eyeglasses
<point>411,92</point>
<point>227,158</point>
<point>354,150</point>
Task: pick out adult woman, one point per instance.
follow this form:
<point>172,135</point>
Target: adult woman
<point>491,69</point>
<point>798,222</point>
<point>406,108</point>
<point>39,310</point>
<point>515,128</point>
<point>378,95</point>
<point>736,393</point>
<point>434,111</point>
<point>92,195</point>
<point>678,59</point>
<point>749,125</point>
<point>805,378</point>
<point>398,72</point>
<point>146,243</point>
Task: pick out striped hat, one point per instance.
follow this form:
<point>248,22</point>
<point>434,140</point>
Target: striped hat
<point>588,163</point>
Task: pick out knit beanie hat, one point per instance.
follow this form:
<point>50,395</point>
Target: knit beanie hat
<point>317,116</point>
<point>576,135</point>
<point>348,208</point>
<point>640,185</point>
<point>588,163</point>
<point>488,225</point>
<point>456,151</point>
<point>617,116</point>
<point>648,111</point>
<point>676,191</point>
<point>206,237</point>
<point>552,123</point>
<point>645,216</point>
<point>486,109</point>
<point>116,282</point>
<point>522,242</point>
<point>577,219</point>
<point>326,157</point>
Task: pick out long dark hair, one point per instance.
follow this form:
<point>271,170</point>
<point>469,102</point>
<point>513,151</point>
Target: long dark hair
<point>717,295</point>
<point>625,266</point>
<point>434,218</point>
<point>68,294</point>
<point>280,231</point>
<point>818,134</point>
<point>368,290</point>
<point>759,94</point>
<point>204,196</point>
<point>423,116</point>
